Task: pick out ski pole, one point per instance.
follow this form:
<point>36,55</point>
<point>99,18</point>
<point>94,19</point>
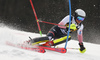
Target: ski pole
<point>51,23</point>
<point>69,48</point>
<point>36,17</point>
<point>73,48</point>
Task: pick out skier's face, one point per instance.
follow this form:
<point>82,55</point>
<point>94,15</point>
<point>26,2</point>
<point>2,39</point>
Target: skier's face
<point>78,21</point>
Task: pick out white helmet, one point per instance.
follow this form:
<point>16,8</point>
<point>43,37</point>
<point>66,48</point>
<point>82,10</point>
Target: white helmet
<point>80,12</point>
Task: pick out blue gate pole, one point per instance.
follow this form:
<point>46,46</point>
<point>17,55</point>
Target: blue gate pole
<point>69,24</point>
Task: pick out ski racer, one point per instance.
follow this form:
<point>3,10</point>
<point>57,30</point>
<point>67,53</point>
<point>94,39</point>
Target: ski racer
<point>58,33</point>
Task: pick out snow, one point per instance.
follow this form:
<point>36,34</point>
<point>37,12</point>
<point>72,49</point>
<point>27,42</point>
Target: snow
<point>16,36</point>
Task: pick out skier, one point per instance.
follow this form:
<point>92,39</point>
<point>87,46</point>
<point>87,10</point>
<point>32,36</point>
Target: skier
<point>60,31</point>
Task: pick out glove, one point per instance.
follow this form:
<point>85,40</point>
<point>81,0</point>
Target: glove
<point>82,48</point>
<point>72,27</point>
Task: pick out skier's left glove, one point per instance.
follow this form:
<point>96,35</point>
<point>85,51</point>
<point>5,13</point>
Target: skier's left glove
<point>82,48</point>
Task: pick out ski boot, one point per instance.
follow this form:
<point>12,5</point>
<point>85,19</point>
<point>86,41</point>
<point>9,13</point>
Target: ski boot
<point>48,44</point>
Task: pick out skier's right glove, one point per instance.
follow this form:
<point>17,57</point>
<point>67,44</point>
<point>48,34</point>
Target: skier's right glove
<point>82,48</point>
<point>72,27</point>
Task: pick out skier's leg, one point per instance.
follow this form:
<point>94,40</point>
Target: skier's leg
<point>61,40</point>
<point>49,36</point>
<point>39,40</point>
<point>56,41</point>
<point>58,36</point>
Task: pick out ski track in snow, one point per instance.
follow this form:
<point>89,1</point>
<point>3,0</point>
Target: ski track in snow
<point>13,53</point>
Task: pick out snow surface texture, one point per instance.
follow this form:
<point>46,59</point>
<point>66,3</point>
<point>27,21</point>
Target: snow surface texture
<point>13,53</point>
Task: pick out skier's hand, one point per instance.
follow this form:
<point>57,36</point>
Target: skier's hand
<point>72,27</point>
<point>82,48</point>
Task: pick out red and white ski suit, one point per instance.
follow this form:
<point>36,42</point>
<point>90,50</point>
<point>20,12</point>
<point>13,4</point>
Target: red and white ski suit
<point>80,27</point>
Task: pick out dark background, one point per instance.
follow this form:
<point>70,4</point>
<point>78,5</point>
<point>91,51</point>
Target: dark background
<point>19,14</point>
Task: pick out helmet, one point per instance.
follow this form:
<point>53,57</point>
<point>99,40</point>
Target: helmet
<point>80,12</point>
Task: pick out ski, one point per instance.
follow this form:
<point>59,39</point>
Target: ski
<point>26,47</point>
<point>61,50</point>
<point>40,49</point>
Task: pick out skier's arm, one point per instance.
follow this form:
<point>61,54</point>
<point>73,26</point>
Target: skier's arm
<point>80,34</point>
<point>80,38</point>
<point>64,21</point>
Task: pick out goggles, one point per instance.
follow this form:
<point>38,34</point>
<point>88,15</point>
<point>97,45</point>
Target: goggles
<point>80,18</point>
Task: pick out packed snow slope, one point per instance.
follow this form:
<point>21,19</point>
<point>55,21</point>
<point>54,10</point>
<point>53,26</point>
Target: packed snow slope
<point>13,53</point>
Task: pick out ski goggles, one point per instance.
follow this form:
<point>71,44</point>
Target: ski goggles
<point>80,18</point>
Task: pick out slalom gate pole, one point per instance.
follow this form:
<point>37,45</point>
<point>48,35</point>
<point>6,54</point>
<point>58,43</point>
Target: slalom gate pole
<point>69,23</point>
<point>36,17</point>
